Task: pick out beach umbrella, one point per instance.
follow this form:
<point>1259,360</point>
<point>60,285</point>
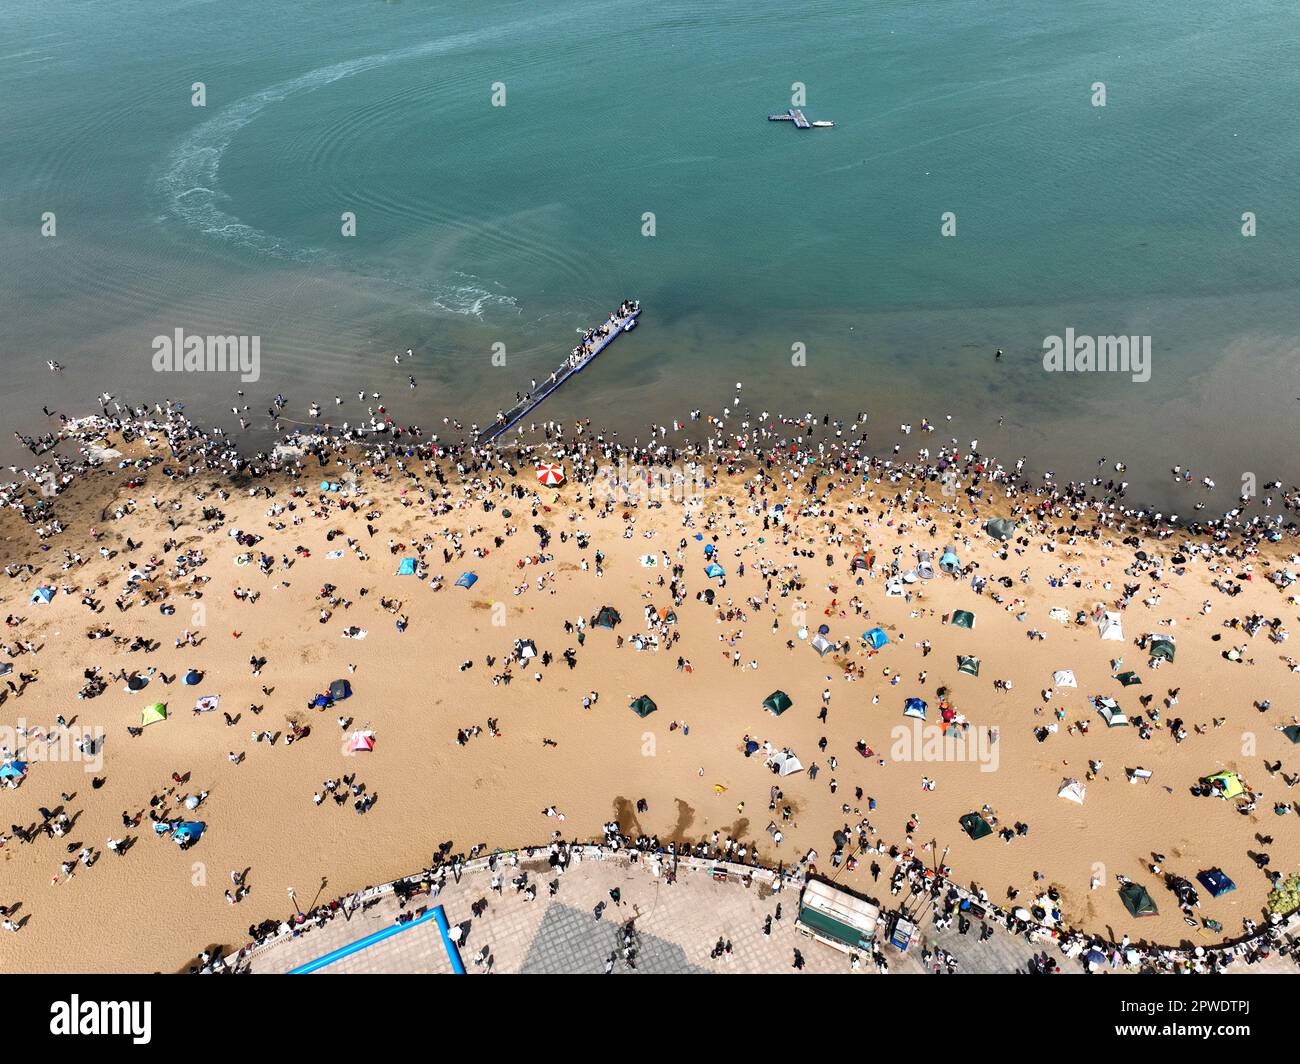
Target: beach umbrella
<point>153,714</point>
<point>643,706</point>
<point>361,740</point>
<point>136,682</point>
<point>549,474</point>
<point>823,629</point>
<point>777,702</point>
<point>751,747</point>
<point>192,677</point>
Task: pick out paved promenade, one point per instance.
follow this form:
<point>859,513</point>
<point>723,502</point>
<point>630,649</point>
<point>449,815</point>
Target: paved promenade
<point>677,927</point>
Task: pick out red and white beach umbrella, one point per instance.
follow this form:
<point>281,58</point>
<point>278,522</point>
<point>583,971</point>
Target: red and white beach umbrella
<point>550,474</point>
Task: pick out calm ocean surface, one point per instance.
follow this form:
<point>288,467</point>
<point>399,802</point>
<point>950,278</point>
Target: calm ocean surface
<point>479,225</point>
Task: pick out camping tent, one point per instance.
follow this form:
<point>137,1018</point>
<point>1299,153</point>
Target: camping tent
<point>777,702</point>
<point>963,619</point>
<point>1292,732</point>
<point>1111,713</point>
<point>860,561</point>
<point>643,706</point>
<point>361,740</point>
<point>1216,881</point>
<point>975,826</point>
<point>967,664</point>
<point>1071,790</point>
<point>1232,785</point>
<point>785,763</point>
<point>1108,625</point>
<point>1137,901</point>
<point>606,617</point>
<point>41,596</point>
<point>1000,528</point>
<point>1128,679</point>
<point>13,770</point>
<point>714,570</point>
<point>340,689</point>
<point>822,645</point>
<point>949,563</point>
<point>1064,678</point>
<point>467,580</point>
<point>914,707</point>
<point>525,649</point>
<point>876,637</point>
<point>406,567</point>
<point>153,714</point>
<point>1161,646</point>
<point>189,831</point>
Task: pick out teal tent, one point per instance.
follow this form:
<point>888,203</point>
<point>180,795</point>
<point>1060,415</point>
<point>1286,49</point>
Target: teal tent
<point>713,570</point>
<point>643,706</point>
<point>876,637</point>
<point>606,617</point>
<point>967,664</point>
<point>963,619</point>
<point>777,702</point>
<point>1137,901</point>
<point>406,567</point>
<point>1128,679</point>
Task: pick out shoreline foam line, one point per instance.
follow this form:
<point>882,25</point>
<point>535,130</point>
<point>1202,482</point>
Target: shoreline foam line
<point>372,939</point>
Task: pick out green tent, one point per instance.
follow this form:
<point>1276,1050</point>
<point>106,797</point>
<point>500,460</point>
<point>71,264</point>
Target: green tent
<point>777,702</point>
<point>1137,901</point>
<point>1162,646</point>
<point>1128,679</point>
<point>606,617</point>
<point>153,714</point>
<point>975,826</point>
<point>643,706</point>
<point>963,619</point>
<point>967,664</point>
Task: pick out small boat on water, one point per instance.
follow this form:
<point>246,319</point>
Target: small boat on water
<point>593,342</point>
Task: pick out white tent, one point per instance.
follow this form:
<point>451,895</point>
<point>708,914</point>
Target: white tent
<point>785,762</point>
<point>1071,790</point>
<point>1058,614</point>
<point>1064,678</point>
<point>822,645</point>
<point>894,588</point>
<point>1111,713</point>
<point>1108,625</point>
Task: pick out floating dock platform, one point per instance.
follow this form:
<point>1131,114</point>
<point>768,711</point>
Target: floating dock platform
<point>508,419</point>
<point>796,116</point>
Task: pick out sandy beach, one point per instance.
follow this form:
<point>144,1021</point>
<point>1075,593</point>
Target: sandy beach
<point>463,755</point>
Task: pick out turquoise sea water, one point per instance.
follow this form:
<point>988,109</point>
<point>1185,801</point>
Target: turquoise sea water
<point>479,225</point>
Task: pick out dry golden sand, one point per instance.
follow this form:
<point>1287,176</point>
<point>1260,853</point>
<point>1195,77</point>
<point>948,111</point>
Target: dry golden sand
<point>153,908</point>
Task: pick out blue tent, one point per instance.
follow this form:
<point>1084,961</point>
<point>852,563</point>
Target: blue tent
<point>192,677</point>
<point>189,831</point>
<point>406,567</point>
<point>42,595</point>
<point>467,580</point>
<point>713,569</point>
<point>321,702</point>
<point>13,770</point>
<point>1216,881</point>
<point>914,707</point>
<point>876,637</point>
